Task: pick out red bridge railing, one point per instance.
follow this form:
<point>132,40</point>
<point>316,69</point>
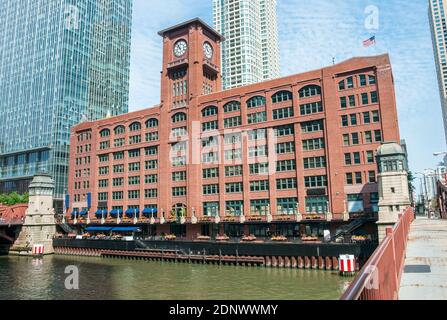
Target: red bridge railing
<point>380,277</point>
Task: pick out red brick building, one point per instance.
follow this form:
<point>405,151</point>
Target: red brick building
<point>244,160</point>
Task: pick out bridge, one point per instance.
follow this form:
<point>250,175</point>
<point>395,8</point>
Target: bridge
<point>409,264</point>
<point>11,218</point>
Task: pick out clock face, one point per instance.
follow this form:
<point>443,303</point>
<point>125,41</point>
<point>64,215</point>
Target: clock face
<point>180,48</point>
<point>208,50</point>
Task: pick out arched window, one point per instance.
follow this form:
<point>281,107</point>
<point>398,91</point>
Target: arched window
<point>232,106</point>
<point>179,117</point>
<point>104,133</point>
<point>257,101</point>
<point>209,111</point>
<point>282,96</point>
<point>120,130</point>
<point>152,123</point>
<point>136,126</point>
<point>310,91</point>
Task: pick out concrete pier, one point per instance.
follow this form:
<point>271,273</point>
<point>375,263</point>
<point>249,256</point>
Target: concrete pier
<point>425,273</point>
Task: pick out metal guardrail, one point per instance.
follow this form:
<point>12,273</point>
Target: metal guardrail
<point>379,279</point>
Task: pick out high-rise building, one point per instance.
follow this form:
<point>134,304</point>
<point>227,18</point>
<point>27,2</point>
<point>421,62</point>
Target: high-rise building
<point>294,152</point>
<point>60,61</point>
<point>250,52</point>
<point>438,23</point>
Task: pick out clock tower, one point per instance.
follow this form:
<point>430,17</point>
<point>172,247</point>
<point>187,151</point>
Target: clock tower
<point>191,68</point>
<point>191,63</point>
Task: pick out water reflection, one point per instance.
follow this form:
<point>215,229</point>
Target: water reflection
<point>25,278</point>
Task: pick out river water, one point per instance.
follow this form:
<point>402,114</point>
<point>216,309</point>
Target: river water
<point>99,278</point>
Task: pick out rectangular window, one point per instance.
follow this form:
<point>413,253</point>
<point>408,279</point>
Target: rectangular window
<point>376,116</point>
<point>368,137</point>
<point>314,162</point>
<point>257,186</point>
<point>372,177</point>
<point>346,140</point>
<point>283,113</point>
<point>151,136</point>
<point>135,139</point>
<point>135,166</point>
<point>358,178</point>
<point>103,171</point>
<point>370,157</point>
<point>103,183</point>
<point>104,145</point>
<point>357,159</point>
<point>317,205</point>
<point>234,187</point>
<point>257,117</point>
<point>118,182</point>
<point>150,193</point>
<point>286,184</point>
<point>118,156</point>
<point>366,118</point>
<point>209,126</point>
<point>355,138</point>
<point>365,99</point>
<point>210,189</point>
<point>210,157</point>
<point>343,103</point>
<point>313,144</point>
<point>211,209</point>
<point>352,101</point>
<point>348,159</point>
<point>232,122</point>
<point>258,151</point>
<point>133,194</point>
<point>179,191</point>
<point>374,97</point>
<point>350,82</point>
<point>133,181</point>
<point>284,131</point>
<point>255,135</point>
<point>210,173</point>
<point>287,206</point>
<point>349,179</point>
<point>151,165</point>
<point>151,178</point>
<point>311,108</point>
<point>233,138</point>
<point>151,151</point>
<point>233,171</point>
<point>134,153</point>
<point>233,154</point>
<point>259,168</point>
<point>312,126</point>
<point>285,165</point>
<point>315,182</point>
<point>344,121</point>
<point>286,147</point>
<point>353,118</point>
<point>103,196</point>
<point>234,208</point>
<point>259,207</point>
<point>378,135</point>
<point>118,195</point>
<point>362,80</point>
<point>179,176</point>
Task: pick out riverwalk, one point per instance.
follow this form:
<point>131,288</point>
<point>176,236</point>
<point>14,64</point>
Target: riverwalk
<point>425,273</point>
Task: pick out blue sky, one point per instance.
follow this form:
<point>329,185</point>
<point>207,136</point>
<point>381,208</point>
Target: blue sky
<point>311,33</point>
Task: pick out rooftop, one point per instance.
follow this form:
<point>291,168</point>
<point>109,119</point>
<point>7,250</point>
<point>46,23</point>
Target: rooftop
<point>195,20</point>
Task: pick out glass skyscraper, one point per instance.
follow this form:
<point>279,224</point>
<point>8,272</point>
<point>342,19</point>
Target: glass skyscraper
<point>61,61</point>
<point>250,52</point>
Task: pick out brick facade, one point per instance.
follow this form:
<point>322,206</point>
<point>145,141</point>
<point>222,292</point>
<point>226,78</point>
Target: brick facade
<point>304,118</point>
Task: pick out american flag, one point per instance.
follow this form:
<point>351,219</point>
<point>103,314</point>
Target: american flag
<point>369,42</point>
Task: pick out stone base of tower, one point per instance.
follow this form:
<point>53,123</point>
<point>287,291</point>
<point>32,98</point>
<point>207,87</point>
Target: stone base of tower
<point>34,235</point>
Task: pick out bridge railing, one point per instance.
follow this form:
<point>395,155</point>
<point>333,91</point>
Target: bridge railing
<point>380,277</point>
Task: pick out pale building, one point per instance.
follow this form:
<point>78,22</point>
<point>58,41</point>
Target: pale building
<point>437,17</point>
<point>250,52</point>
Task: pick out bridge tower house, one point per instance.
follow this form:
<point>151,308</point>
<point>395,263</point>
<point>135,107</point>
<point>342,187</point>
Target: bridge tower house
<point>39,227</point>
<point>394,195</point>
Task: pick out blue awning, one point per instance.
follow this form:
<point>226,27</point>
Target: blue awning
<point>98,229</point>
<point>83,213</point>
<point>132,212</point>
<point>126,229</point>
<point>74,213</point>
<point>101,212</point>
<point>116,212</point>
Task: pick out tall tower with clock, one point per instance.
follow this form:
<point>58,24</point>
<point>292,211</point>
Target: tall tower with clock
<point>191,68</point>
